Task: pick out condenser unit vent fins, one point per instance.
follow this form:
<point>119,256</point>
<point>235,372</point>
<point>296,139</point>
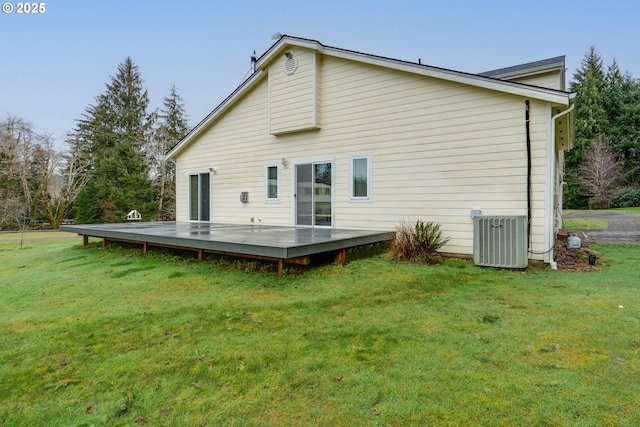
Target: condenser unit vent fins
<point>500,241</point>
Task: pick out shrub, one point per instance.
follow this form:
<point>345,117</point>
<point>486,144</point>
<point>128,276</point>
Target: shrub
<point>600,202</point>
<point>417,243</point>
<point>626,198</point>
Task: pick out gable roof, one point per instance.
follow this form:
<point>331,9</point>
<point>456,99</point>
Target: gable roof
<point>285,42</point>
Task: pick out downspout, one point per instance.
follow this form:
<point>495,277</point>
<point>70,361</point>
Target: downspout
<point>528,132</point>
<point>552,263</point>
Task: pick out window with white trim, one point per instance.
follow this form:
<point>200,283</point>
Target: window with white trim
<point>272,182</point>
<point>360,178</point>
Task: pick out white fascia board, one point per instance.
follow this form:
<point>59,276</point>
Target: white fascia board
<point>520,89</point>
<point>528,72</point>
<point>264,61</point>
<point>220,109</point>
<point>525,70</point>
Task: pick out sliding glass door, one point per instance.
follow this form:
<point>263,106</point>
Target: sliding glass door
<point>314,194</point>
<point>199,196</point>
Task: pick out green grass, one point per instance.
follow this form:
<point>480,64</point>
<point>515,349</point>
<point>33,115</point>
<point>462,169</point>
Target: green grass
<point>29,235</point>
<point>93,336</point>
<point>592,224</point>
<point>632,211</point>
<point>584,224</point>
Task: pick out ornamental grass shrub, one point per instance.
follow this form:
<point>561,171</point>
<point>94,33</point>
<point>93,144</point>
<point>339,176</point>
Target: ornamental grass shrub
<point>418,243</point>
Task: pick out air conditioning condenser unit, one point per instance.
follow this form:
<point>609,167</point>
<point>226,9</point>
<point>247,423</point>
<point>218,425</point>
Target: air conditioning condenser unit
<point>500,241</point>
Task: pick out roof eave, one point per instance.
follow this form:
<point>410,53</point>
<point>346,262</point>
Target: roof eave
<point>531,68</point>
<point>527,73</point>
<point>491,83</point>
<point>520,89</point>
<point>264,60</point>
<point>556,96</point>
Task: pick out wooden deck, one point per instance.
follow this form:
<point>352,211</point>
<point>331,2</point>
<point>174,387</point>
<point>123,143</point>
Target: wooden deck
<point>280,244</point>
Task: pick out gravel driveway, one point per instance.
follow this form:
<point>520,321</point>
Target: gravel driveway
<point>623,228</point>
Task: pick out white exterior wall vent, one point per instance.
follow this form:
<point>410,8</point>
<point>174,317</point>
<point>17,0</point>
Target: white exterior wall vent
<point>291,64</point>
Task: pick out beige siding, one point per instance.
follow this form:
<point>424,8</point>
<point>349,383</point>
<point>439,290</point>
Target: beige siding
<point>552,80</point>
<point>439,149</point>
<point>293,97</point>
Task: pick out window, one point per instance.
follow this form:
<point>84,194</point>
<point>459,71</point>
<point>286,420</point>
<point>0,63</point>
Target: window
<point>360,178</point>
<point>272,183</point>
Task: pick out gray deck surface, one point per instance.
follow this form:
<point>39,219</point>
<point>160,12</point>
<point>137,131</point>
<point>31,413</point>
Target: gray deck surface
<point>257,240</point>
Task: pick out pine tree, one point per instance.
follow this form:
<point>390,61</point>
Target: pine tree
<point>174,116</point>
<point>173,127</point>
<point>607,109</point>
<point>115,134</point>
<point>591,120</point>
<point>623,110</point>
<point>591,115</point>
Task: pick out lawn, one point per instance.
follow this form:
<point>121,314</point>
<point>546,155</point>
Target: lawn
<point>93,336</point>
<point>30,235</point>
<point>632,211</point>
<point>584,224</point>
<point>591,224</point>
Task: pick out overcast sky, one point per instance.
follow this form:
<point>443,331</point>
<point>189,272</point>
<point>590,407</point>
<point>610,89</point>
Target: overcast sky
<point>54,64</point>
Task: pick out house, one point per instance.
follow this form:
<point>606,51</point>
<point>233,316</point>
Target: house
<point>320,136</point>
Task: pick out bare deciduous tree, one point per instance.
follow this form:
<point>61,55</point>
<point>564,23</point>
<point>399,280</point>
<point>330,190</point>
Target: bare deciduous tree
<point>16,140</point>
<point>61,179</point>
<point>35,178</point>
<point>11,209</point>
<point>164,177</point>
<point>599,172</point>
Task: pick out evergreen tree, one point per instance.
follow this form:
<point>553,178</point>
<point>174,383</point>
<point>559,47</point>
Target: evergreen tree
<point>591,115</point>
<point>607,109</point>
<point>591,120</point>
<point>174,116</point>
<point>115,134</point>
<point>623,110</point>
<point>173,127</point>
